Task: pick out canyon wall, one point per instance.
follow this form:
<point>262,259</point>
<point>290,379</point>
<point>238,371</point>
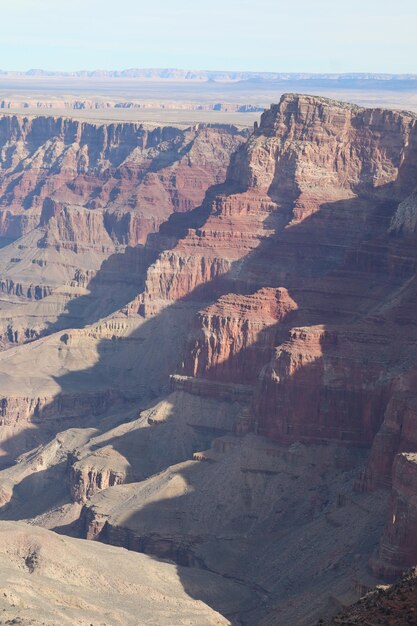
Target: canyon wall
<point>305,278</point>
<point>74,195</point>
<point>136,176</point>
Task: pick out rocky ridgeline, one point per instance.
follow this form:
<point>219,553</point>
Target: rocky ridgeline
<point>87,583</point>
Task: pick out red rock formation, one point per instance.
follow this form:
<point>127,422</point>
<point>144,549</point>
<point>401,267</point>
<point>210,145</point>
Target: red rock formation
<point>206,260</point>
<point>235,336</point>
<point>334,173</point>
<point>83,192</point>
<point>324,214</point>
<point>139,176</point>
<point>398,547</point>
<point>73,228</point>
<point>314,150</point>
<point>396,434</point>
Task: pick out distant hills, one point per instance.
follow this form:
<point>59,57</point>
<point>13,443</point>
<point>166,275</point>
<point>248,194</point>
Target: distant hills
<point>158,74</point>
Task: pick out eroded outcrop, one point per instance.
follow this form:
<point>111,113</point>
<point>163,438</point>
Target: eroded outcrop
<point>124,169</point>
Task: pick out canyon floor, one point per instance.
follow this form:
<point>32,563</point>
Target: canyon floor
<point>207,363</point>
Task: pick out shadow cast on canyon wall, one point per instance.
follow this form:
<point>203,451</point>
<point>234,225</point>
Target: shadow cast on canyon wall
<point>132,266</point>
<point>367,259</point>
<point>206,534</point>
<point>301,258</point>
<point>35,494</point>
<point>122,276</point>
<point>292,262</point>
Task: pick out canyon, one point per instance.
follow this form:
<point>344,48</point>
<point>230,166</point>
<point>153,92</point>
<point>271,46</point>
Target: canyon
<point>208,351</point>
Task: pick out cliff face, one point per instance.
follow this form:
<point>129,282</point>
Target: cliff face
<point>305,278</point>
<point>314,149</point>
<point>319,184</point>
<point>73,195</point>
<point>135,175</point>
<point>234,336</point>
<point>398,547</point>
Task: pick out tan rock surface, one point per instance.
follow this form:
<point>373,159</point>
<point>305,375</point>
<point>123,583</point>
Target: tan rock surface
<point>50,579</point>
<point>283,521</point>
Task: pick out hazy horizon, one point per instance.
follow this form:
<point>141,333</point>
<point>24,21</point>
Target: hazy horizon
<point>227,70</point>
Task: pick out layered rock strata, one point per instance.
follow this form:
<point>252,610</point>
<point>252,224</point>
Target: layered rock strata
<point>316,218</point>
<point>73,195</point>
<point>137,175</point>
<point>392,605</point>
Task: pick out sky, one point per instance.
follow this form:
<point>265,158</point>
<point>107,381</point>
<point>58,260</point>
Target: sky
<point>256,35</point>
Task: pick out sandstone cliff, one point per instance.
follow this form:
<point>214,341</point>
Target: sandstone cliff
<point>136,175</point>
<point>74,194</point>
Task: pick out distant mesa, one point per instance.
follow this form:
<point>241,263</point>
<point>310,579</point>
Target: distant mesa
<point>162,74</point>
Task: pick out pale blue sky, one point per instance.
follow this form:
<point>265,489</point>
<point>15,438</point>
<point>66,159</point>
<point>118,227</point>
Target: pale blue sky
<point>260,35</point>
